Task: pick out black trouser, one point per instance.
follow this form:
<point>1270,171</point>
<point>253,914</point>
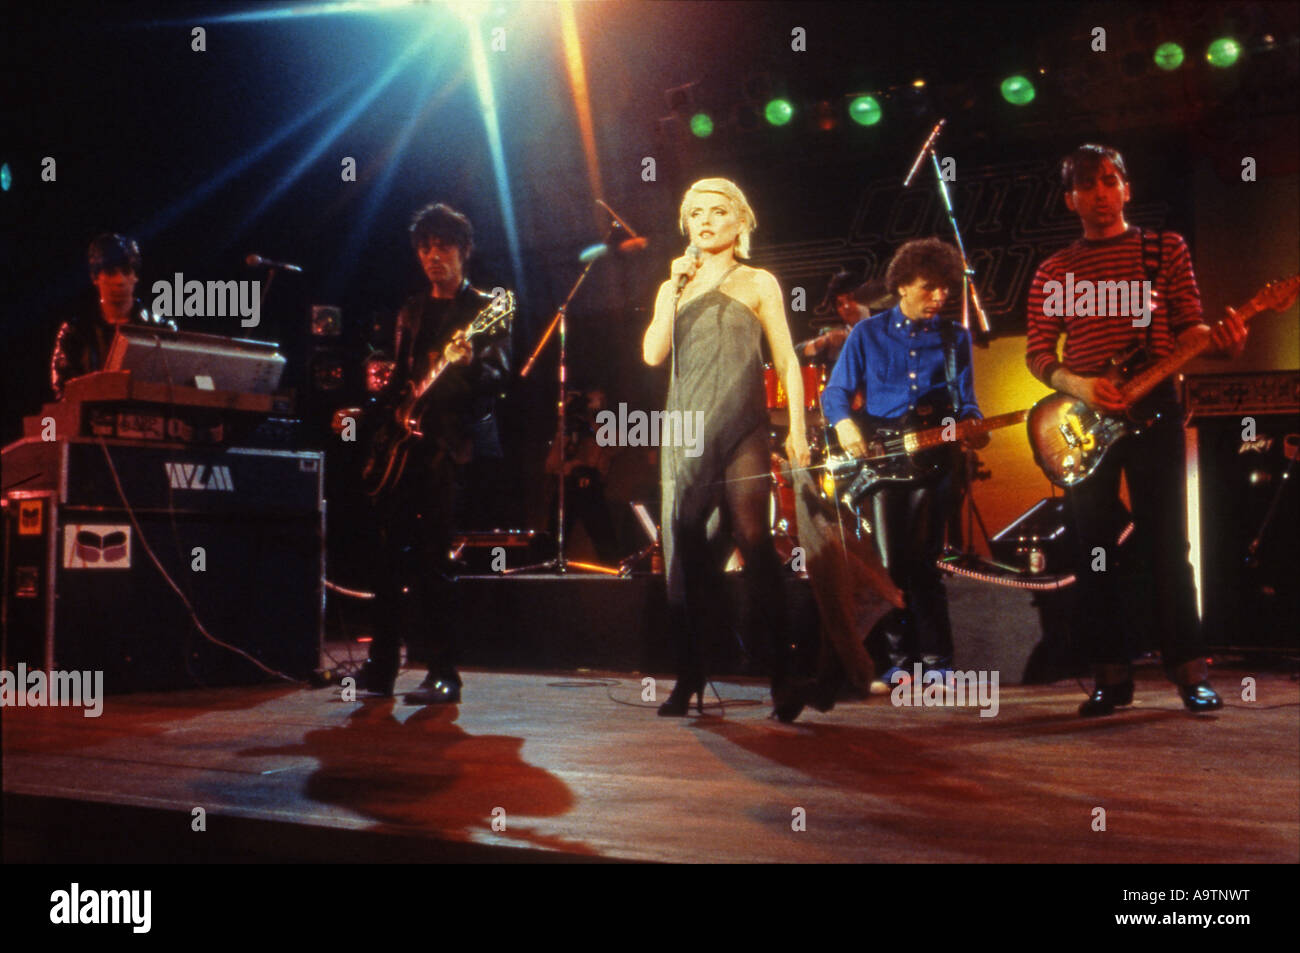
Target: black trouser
<point>414,590</point>
<point>908,522</point>
<point>1150,581</point>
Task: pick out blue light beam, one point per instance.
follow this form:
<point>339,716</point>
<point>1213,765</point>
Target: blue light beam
<point>488,106</point>
<point>339,125</point>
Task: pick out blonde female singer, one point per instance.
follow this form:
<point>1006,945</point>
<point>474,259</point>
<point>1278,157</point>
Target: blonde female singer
<point>710,318</point>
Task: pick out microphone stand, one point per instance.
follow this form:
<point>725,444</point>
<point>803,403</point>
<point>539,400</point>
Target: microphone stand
<point>560,563</point>
<point>969,296</point>
<point>972,472</point>
<point>266,287</point>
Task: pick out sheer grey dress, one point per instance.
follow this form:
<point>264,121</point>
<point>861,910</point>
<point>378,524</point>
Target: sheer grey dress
<point>719,489</point>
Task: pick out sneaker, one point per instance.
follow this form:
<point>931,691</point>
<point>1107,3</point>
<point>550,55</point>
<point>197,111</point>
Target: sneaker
<point>889,676</point>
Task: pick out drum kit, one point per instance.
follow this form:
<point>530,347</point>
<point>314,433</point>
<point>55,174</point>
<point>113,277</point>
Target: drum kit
<point>815,376</point>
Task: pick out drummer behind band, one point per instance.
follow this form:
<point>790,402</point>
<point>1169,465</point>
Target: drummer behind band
<point>897,361</point>
<point>852,304</point>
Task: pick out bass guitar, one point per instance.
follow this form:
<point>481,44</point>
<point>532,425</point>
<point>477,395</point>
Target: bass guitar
<point>399,426</point>
<point>897,456</point>
<point>1070,439</point>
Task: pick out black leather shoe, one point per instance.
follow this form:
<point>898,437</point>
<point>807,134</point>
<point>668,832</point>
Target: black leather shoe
<point>1105,698</point>
<point>1200,697</point>
<point>373,681</point>
<point>434,690</point>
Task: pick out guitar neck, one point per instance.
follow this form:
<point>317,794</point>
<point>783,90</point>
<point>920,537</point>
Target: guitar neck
<point>933,437</point>
<point>1189,346</point>
<point>1192,344</point>
<point>442,364</point>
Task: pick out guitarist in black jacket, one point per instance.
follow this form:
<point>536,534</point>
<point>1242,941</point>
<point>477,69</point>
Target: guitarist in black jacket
<point>1096,189</point>
<point>415,517</point>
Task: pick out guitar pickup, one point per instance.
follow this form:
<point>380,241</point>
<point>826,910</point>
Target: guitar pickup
<point>1071,438</point>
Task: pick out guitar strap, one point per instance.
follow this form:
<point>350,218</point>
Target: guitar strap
<point>1151,264</point>
<point>948,330</point>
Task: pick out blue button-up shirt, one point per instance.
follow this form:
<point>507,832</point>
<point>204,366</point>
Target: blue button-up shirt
<point>897,363</point>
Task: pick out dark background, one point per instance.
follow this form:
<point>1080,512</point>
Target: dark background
<point>207,156</point>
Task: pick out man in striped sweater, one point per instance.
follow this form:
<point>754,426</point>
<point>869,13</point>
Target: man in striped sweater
<point>1115,288</point>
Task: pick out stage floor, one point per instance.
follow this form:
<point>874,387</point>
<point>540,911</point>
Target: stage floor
<point>583,769</point>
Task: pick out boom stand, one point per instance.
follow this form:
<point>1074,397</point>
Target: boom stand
<point>560,563</point>
<point>969,296</point>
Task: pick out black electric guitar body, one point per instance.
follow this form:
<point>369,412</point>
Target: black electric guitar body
<point>397,424</point>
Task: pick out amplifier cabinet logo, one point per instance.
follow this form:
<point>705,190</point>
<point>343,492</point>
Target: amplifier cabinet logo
<point>31,517</point>
<point>198,476</point>
<point>97,546</point>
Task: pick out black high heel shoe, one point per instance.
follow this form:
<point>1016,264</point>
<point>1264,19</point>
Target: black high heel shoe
<point>679,700</point>
<point>790,695</point>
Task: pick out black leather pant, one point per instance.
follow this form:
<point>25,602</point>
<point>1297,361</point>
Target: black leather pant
<point>908,522</point>
<point>1147,586</point>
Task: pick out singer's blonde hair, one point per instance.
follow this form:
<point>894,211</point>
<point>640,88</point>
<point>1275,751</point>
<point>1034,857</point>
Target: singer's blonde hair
<point>737,198</point>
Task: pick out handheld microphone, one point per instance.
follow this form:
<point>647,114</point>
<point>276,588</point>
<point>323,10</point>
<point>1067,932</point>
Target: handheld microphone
<point>694,252</point>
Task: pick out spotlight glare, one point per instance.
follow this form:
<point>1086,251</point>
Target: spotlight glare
<point>865,110</point>
<point>779,112</point>
<point>702,125</point>
<point>1223,52</point>
<point>1169,56</point>
<point>6,177</point>
<point>1017,90</point>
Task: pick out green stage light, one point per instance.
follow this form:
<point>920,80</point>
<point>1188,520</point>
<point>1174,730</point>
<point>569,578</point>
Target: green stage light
<point>702,125</point>
<point>779,112</point>
<point>1169,56</point>
<point>1017,90</point>
<point>6,177</point>
<point>1223,52</point>
<point>865,110</point>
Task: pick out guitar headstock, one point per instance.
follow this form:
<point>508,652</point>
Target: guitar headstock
<point>495,316</point>
<point>1274,296</point>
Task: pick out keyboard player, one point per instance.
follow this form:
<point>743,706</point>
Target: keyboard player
<point>82,343</point>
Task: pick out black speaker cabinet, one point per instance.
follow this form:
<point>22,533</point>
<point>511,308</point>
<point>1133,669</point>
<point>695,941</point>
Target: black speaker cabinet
<point>1249,511</point>
<point>238,532</point>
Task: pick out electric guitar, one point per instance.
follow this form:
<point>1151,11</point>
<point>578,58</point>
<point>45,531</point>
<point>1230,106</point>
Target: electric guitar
<point>898,456</point>
<point>399,427</point>
<point>1069,438</point>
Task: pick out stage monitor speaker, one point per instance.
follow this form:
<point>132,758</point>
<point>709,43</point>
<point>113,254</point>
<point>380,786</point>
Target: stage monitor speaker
<point>1024,635</point>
